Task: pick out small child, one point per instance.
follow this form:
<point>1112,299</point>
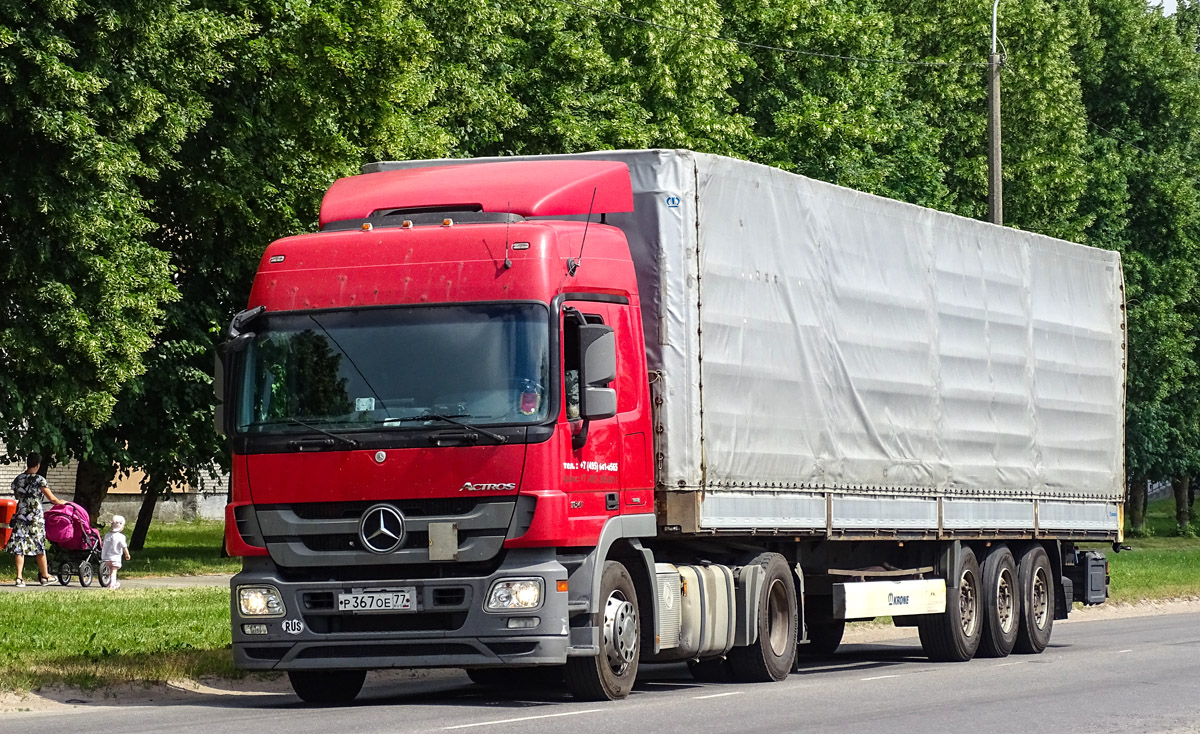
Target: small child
<point>114,549</point>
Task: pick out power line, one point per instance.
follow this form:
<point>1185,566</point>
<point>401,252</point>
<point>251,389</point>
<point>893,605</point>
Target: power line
<point>764,47</point>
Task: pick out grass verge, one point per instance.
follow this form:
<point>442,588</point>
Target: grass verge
<point>172,549</point>
<point>1160,566</point>
<point>90,640</point>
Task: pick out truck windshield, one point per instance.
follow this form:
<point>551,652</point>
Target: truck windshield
<point>378,369</point>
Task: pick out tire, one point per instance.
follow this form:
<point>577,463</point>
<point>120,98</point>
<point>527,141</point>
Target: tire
<point>1001,604</point>
<point>539,678</point>
<point>771,656</point>
<point>105,575</point>
<point>823,638</point>
<point>64,573</point>
<point>713,670</point>
<point>86,574</point>
<point>327,686</point>
<point>609,676</point>
<point>954,635</point>
<point>1035,580</point>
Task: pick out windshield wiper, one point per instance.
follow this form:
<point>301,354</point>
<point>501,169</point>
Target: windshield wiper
<point>448,419</point>
<point>297,422</point>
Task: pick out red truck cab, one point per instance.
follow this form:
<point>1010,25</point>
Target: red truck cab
<point>439,412</point>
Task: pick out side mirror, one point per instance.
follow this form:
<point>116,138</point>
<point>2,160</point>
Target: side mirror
<point>598,358</point>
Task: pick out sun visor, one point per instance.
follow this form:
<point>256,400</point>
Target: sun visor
<point>527,188</point>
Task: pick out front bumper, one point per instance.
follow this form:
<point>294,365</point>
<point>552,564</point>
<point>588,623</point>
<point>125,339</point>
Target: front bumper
<point>448,629</point>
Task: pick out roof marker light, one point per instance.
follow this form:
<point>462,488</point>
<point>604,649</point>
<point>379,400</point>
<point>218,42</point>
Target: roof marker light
<point>366,226</point>
<point>520,245</point>
<point>447,222</point>
<point>406,224</point>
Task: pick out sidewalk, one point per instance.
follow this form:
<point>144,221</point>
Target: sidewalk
<point>150,582</point>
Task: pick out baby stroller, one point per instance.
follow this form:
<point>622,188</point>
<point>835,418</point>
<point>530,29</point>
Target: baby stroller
<point>75,544</point>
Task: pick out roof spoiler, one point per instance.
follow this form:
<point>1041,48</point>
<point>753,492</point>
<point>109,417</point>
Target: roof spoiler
<point>526,188</point>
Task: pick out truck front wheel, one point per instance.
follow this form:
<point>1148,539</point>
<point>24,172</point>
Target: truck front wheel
<point>770,658</point>
<point>953,636</point>
<point>327,686</point>
<point>609,676</point>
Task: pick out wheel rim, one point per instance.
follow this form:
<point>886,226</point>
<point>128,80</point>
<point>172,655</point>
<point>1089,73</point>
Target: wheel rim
<point>1006,606</point>
<point>777,618</point>
<point>967,607</point>
<point>1040,599</point>
<point>620,632</point>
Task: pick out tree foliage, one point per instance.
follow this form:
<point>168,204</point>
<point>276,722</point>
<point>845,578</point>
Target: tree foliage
<point>159,146</point>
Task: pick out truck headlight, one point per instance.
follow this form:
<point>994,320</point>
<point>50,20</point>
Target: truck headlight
<point>260,601</point>
<point>509,594</point>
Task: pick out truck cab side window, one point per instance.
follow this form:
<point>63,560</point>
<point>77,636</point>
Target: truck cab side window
<point>571,356</point>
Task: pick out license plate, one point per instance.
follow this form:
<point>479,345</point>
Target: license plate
<point>378,600</point>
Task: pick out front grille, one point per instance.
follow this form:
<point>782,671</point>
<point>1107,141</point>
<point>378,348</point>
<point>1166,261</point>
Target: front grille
<point>325,534</point>
<point>354,510</point>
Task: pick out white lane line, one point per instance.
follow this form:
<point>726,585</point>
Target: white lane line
<point>718,695</point>
<point>522,718</point>
<point>1004,665</point>
<point>880,677</point>
<point>1118,652</point>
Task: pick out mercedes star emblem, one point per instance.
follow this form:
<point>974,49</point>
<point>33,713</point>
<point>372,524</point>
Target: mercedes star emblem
<point>381,529</point>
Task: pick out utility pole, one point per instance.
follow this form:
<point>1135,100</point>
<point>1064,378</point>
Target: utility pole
<point>995,184</point>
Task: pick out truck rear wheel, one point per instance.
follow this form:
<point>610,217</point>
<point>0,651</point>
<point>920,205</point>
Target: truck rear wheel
<point>953,636</point>
<point>1037,601</point>
<point>770,658</point>
<point>1001,603</point>
<point>610,675</point>
<point>327,686</point>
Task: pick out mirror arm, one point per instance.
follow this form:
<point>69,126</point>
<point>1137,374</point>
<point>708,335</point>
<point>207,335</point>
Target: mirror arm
<point>579,439</point>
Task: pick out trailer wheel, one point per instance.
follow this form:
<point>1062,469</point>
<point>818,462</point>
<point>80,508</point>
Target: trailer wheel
<point>609,676</point>
<point>953,636</point>
<point>327,686</point>
<point>823,638</point>
<point>1037,601</point>
<point>713,670</point>
<point>1001,603</point>
<point>770,658</point>
<point>541,677</point>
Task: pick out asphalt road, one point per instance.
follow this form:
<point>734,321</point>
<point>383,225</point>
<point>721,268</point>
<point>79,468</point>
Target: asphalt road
<point>1127,675</point>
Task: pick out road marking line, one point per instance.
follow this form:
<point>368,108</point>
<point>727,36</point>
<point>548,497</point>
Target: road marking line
<point>718,695</point>
<point>1015,662</point>
<point>1118,652</point>
<point>521,718</point>
<point>880,677</point>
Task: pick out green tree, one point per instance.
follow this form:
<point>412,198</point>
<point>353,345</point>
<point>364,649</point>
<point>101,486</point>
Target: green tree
<point>1141,84</point>
<point>97,100</point>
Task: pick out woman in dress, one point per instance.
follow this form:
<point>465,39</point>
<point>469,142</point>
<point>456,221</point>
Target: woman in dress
<point>28,524</point>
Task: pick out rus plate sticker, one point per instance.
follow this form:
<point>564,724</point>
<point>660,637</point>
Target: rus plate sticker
<point>293,626</point>
<point>364,404</point>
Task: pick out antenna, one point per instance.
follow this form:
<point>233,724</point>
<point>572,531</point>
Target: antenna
<point>573,262</point>
<point>507,224</point>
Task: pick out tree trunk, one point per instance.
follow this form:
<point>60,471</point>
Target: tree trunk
<point>1135,506</point>
<point>154,488</point>
<point>1192,498</point>
<point>1182,511</point>
<point>92,482</point>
